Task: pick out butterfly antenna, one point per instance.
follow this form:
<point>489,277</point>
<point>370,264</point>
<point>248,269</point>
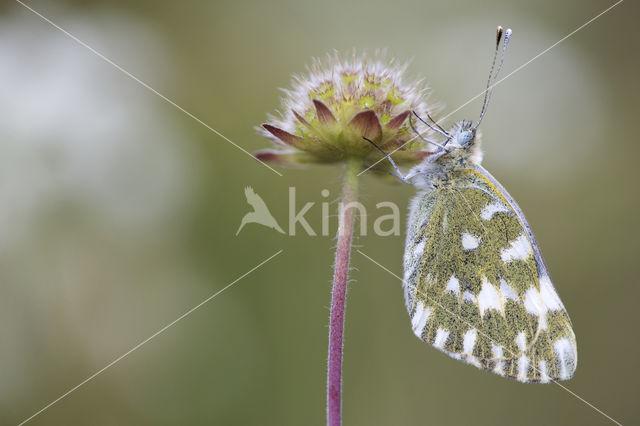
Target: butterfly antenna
<point>437,125</point>
<point>494,76</point>
<point>398,174</point>
<point>422,137</point>
<point>441,131</point>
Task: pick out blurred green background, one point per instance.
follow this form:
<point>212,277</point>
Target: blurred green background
<point>118,212</point>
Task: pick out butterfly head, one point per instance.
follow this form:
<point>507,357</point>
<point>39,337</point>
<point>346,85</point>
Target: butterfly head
<point>462,142</point>
<point>462,134</point>
<point>461,147</point>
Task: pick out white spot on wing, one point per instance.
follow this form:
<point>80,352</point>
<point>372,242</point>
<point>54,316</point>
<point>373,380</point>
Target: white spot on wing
<point>441,338</point>
<point>566,357</point>
<point>412,260</point>
<point>407,296</point>
<point>417,314</point>
<point>488,297</point>
<point>523,361</point>
<point>469,341</point>
<point>550,298</point>
<point>542,368</point>
<point>543,321</point>
<point>523,365</point>
<point>533,304</point>
<point>521,340</point>
<point>497,352</point>
<point>410,270</point>
<point>519,249</point>
<point>507,292</point>
<point>490,209</point>
<point>453,285</point>
<point>532,301</point>
<point>418,250</point>
<point>419,319</point>
<point>470,359</point>
<point>470,242</point>
<point>467,296</point>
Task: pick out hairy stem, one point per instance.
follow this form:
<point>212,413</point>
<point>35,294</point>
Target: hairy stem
<point>339,291</point>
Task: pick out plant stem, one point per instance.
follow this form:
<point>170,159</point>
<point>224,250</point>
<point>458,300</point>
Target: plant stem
<point>339,291</point>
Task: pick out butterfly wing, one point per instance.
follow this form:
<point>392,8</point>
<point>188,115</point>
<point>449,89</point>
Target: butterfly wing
<point>476,285</point>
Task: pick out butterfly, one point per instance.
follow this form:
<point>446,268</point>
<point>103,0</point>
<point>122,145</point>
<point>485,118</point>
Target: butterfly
<point>475,283</point>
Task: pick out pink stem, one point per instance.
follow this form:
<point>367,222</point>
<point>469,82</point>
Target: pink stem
<point>338,294</point>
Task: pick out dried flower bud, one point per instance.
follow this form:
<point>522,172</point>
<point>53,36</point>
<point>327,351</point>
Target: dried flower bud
<point>327,112</point>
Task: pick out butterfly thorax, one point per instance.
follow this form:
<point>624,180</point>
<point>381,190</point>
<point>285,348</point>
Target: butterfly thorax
<point>462,152</point>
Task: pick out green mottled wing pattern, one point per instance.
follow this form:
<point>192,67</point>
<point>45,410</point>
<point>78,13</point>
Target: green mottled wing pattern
<point>476,286</point>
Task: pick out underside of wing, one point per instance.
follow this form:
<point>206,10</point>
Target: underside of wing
<point>476,286</point>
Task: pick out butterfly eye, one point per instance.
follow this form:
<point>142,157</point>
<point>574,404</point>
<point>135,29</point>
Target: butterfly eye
<point>465,137</point>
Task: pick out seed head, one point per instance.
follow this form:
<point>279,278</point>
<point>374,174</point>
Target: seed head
<point>328,111</point>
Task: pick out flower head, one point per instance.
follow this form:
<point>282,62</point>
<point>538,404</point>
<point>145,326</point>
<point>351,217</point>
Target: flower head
<point>327,112</point>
